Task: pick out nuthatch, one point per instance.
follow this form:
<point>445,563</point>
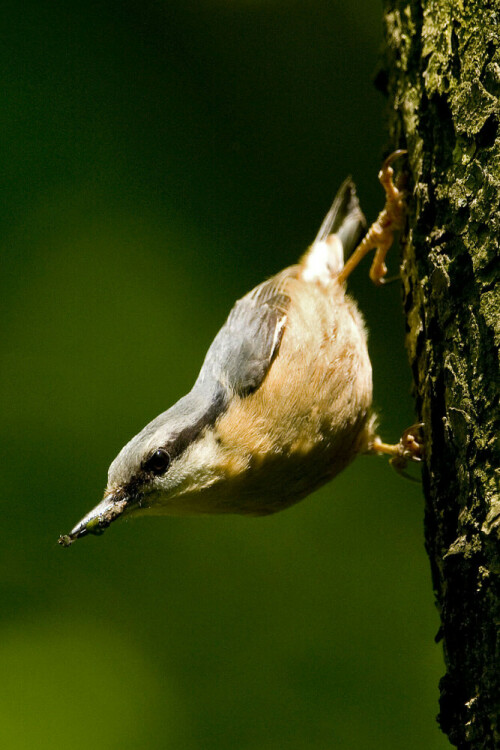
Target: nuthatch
<point>283,401</point>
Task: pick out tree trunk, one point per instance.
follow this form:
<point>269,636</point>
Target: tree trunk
<point>442,77</point>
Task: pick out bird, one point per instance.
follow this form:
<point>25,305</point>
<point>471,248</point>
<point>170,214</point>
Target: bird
<point>283,400</point>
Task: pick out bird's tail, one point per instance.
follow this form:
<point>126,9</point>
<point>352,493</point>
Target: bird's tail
<point>345,218</point>
<point>341,230</point>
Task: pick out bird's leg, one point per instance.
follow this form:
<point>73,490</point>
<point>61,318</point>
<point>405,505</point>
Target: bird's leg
<point>380,235</point>
<point>409,448</point>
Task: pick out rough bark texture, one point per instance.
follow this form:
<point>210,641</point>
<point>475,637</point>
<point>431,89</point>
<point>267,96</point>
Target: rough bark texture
<point>442,75</point>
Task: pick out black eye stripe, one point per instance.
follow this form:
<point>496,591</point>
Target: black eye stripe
<point>157,463</point>
<point>188,435</point>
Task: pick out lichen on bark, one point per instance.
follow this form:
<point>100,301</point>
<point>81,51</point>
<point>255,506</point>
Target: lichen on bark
<point>442,76</point>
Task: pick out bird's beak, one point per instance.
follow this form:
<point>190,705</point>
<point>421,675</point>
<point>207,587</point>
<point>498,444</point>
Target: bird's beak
<point>97,521</point>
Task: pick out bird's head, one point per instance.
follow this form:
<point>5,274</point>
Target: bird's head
<point>163,468</point>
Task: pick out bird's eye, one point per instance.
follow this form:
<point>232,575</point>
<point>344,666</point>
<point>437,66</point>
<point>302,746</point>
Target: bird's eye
<point>158,462</point>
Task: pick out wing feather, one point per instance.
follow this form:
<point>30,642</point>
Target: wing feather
<point>245,347</point>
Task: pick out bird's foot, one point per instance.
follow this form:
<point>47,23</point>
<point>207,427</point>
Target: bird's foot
<point>409,449</point>
<point>380,235</point>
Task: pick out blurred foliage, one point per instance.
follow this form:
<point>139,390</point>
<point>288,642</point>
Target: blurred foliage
<point>158,160</point>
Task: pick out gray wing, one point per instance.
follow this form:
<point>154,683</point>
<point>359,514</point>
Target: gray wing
<point>243,351</point>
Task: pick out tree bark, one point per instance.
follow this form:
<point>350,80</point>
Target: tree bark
<point>442,77</point>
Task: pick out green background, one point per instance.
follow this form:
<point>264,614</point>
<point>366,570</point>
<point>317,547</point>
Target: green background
<point>158,160</point>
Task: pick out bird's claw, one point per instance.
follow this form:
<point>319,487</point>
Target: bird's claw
<point>380,235</point>
<point>409,449</point>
